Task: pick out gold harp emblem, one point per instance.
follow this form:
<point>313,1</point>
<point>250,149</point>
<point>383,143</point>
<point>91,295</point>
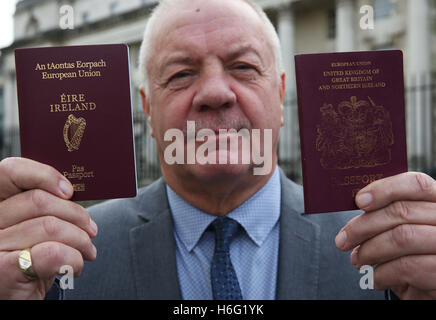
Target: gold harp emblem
<point>73,132</point>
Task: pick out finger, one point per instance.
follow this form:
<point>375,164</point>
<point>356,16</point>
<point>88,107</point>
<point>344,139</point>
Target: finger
<point>47,260</point>
<point>37,203</point>
<point>15,285</point>
<point>49,257</point>
<point>417,271</point>
<point>401,241</point>
<point>18,174</point>
<point>409,293</point>
<point>370,224</point>
<point>32,232</point>
<point>405,186</point>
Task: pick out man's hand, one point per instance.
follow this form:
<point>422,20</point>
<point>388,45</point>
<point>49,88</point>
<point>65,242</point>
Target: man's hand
<point>397,233</point>
<point>35,213</point>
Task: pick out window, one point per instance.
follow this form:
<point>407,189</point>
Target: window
<point>114,8</point>
<point>32,26</point>
<point>85,17</point>
<point>331,23</point>
<point>384,8</point>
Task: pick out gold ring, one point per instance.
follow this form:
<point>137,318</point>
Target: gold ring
<point>25,263</point>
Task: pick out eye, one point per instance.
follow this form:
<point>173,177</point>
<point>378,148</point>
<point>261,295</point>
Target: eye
<point>244,66</point>
<point>244,71</point>
<point>181,79</point>
<point>180,75</point>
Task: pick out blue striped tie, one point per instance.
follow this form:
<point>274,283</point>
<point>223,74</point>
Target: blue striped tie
<point>225,285</point>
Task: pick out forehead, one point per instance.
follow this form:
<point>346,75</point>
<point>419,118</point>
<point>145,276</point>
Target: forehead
<point>209,25</point>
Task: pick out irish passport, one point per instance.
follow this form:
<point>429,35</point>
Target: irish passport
<point>352,124</point>
<point>75,115</point>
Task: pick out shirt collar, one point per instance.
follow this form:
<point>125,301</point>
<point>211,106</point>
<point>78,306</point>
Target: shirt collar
<point>258,215</point>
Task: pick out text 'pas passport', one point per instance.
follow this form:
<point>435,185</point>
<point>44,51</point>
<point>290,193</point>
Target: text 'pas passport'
<point>352,124</point>
<point>75,115</point>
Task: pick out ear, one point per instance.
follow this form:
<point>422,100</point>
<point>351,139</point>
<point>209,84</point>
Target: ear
<point>282,91</point>
<point>147,109</point>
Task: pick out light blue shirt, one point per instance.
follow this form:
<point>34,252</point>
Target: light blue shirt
<point>254,251</point>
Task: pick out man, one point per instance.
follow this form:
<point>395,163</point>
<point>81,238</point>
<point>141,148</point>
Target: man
<point>218,231</point>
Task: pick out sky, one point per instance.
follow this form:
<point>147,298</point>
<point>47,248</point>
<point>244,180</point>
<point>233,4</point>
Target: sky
<point>7,8</point>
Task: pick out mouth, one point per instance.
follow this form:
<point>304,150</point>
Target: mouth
<point>222,126</point>
<point>227,130</point>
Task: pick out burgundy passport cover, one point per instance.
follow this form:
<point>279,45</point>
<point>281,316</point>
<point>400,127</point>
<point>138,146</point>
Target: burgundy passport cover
<point>75,115</point>
<point>352,124</point>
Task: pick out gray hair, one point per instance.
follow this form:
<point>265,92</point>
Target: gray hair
<point>166,5</point>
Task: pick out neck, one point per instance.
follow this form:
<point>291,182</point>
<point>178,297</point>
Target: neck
<point>216,197</point>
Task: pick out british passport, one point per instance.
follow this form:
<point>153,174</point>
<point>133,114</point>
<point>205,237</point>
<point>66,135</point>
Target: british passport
<point>352,124</point>
<point>75,115</point>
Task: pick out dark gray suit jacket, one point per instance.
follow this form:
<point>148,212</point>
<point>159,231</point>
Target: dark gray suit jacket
<point>136,251</point>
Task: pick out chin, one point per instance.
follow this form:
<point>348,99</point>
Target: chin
<point>220,172</point>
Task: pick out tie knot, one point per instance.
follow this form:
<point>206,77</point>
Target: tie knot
<point>225,228</point>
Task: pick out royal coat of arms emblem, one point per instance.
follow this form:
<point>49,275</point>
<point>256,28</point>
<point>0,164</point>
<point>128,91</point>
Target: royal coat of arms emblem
<point>356,134</point>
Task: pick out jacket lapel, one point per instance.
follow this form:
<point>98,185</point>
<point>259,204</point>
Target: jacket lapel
<point>153,248</point>
<point>299,247</point>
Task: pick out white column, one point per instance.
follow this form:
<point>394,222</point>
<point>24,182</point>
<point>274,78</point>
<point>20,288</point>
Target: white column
<point>288,143</point>
<point>418,75</point>
<point>286,31</point>
<point>11,114</point>
<point>11,107</point>
<point>418,36</point>
<point>345,25</point>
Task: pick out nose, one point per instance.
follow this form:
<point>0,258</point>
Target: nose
<point>214,92</point>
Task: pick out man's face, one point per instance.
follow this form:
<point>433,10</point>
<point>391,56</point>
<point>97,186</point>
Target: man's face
<point>212,63</point>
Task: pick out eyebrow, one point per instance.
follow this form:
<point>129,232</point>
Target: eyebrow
<point>187,60</point>
<point>241,51</point>
<point>175,59</point>
<point>178,59</point>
